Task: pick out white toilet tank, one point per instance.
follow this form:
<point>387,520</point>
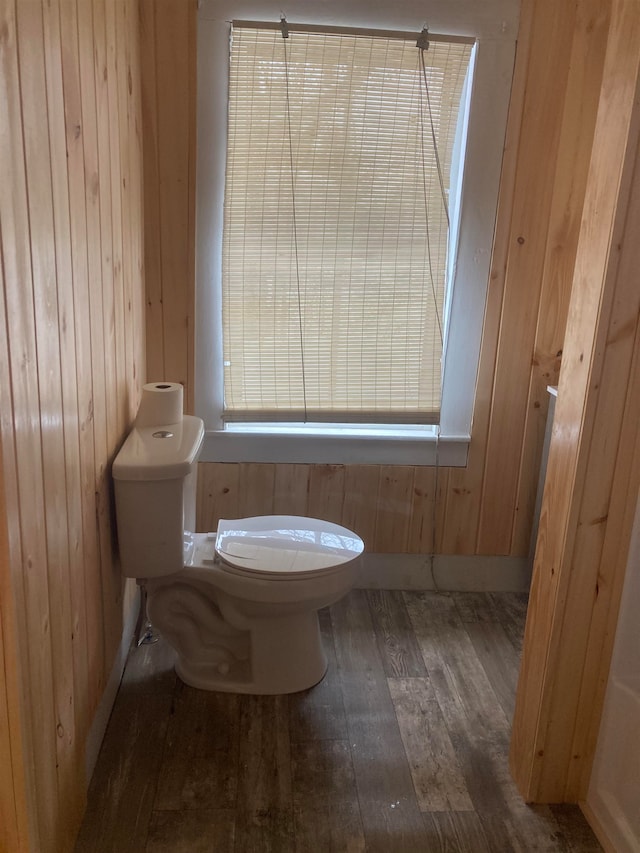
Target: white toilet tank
<point>155,489</point>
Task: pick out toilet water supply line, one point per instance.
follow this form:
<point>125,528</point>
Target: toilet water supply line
<point>434,516</point>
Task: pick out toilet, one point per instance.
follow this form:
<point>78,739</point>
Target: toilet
<point>239,606</point>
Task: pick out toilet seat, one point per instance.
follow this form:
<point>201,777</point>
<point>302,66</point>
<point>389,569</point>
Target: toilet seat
<point>284,547</point>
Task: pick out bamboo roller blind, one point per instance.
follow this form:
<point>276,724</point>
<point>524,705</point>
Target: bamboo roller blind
<point>332,281</point>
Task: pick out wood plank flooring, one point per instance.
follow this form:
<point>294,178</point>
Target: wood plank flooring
<point>402,747</point>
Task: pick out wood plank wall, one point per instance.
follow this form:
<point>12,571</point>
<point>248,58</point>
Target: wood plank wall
<point>168,56</point>
<point>593,476</point>
<point>14,824</point>
<point>487,507</point>
<point>71,365</point>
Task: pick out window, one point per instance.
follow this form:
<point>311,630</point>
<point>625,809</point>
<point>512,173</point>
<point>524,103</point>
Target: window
<point>335,229</point>
<point>334,285</point>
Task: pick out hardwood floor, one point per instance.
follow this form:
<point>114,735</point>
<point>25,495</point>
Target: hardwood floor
<point>402,747</point>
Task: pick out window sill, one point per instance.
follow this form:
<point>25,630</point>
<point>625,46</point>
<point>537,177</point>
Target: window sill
<point>339,445</point>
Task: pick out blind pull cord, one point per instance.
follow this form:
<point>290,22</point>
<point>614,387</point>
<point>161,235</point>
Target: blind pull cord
<point>423,44</point>
<point>285,35</point>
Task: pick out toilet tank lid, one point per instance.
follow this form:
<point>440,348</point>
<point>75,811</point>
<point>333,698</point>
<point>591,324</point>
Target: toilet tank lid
<point>164,452</point>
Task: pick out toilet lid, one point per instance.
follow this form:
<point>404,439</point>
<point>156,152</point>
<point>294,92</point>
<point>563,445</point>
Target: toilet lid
<point>285,546</point>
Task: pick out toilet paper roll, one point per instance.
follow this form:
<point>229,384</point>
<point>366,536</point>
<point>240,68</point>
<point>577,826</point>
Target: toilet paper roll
<point>161,404</point>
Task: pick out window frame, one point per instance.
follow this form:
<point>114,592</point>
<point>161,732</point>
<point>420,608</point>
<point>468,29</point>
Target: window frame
<point>494,28</point>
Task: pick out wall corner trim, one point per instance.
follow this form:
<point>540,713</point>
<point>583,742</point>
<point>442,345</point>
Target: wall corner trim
<point>105,706</point>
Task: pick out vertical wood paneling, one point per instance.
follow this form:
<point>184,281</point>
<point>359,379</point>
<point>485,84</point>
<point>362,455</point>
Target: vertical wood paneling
<point>256,489</point>
<point>218,495</point>
<point>80,696</point>
<point>169,63</point>
<point>465,485</point>
<point>192,82</point>
<point>107,309</point>
<point>326,492</point>
<point>574,150</point>
<point>19,300</point>
<point>541,122</point>
<point>135,129</point>
<point>66,318</point>
<point>127,179</point>
<point>152,243</point>
<point>127,85</point>
<point>12,790</point>
<point>130,73</point>
<point>89,130</point>
<point>290,489</point>
<point>71,341</point>
<point>487,507</point>
<point>395,491</point>
<point>111,70</point>
<point>82,336</point>
<point>593,459</point>
<point>421,521</point>
<point>441,488</point>
<point>39,197</point>
<point>16,777</point>
<point>360,496</point>
<point>625,492</point>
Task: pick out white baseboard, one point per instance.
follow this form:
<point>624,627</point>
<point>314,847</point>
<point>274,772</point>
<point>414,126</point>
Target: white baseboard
<point>600,821</point>
<point>103,712</point>
<point>448,574</point>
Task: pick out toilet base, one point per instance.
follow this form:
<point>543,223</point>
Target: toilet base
<point>286,656</point>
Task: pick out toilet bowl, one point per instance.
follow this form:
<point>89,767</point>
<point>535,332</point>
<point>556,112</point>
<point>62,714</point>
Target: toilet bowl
<point>239,606</point>
<point>242,612</point>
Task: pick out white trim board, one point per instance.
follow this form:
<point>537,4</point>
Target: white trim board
<point>593,819</point>
<point>494,23</point>
<point>105,706</point>
<point>450,573</point>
